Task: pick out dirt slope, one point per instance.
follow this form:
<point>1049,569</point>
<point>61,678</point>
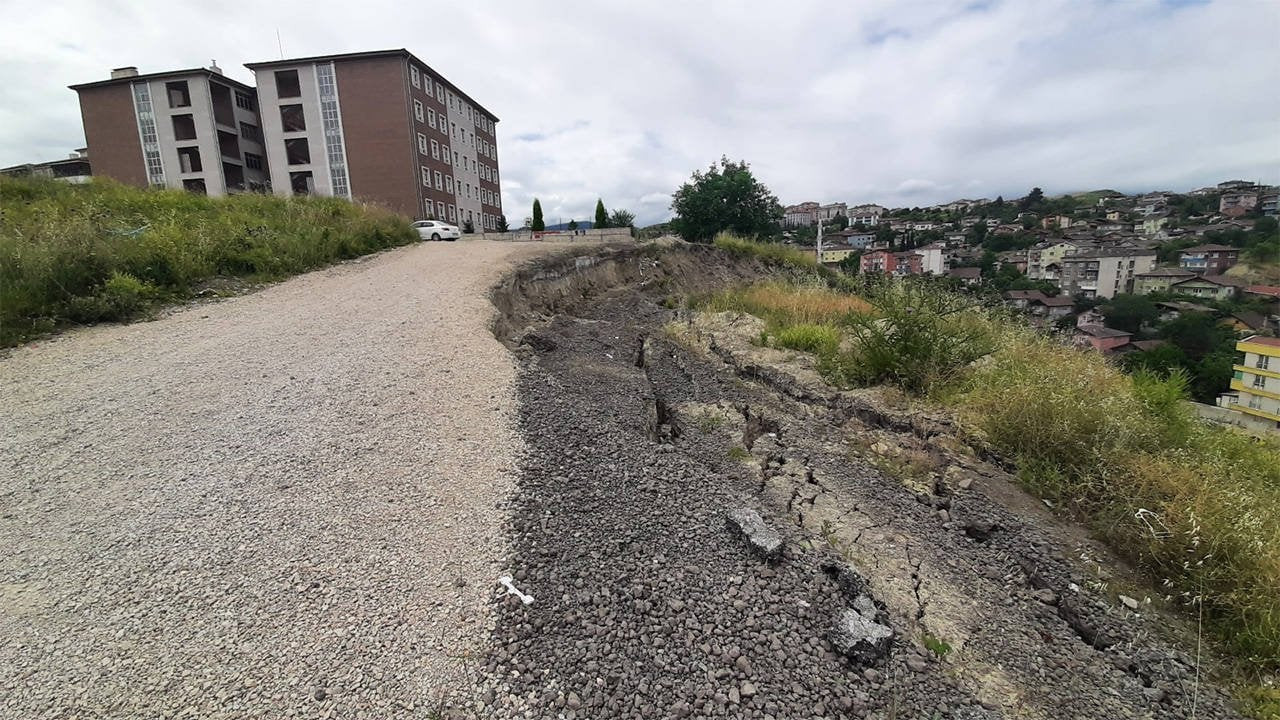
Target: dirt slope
<point>640,435</point>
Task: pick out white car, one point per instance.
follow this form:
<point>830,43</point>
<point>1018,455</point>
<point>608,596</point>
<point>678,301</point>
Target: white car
<point>436,230</point>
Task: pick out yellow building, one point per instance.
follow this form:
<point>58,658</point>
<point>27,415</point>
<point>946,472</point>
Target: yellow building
<point>1257,383</point>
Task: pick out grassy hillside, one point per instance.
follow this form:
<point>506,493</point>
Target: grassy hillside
<point>1197,507</point>
<point>75,254</point>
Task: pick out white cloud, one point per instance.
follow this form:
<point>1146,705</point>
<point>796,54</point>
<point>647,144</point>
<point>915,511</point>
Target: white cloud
<point>899,103</point>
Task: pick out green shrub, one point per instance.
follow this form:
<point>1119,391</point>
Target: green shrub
<point>772,253</point>
<point>104,251</point>
<point>816,339</point>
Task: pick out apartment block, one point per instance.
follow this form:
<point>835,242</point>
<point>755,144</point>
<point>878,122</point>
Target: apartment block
<point>1256,383</point>
<point>1104,273</point>
<point>380,126</point>
<point>194,129</point>
<point>1209,259</point>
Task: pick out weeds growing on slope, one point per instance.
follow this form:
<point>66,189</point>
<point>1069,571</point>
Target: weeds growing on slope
<point>1196,507</point>
<point>104,251</point>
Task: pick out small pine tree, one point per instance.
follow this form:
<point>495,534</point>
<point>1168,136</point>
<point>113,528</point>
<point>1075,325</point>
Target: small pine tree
<point>602,218</point>
<point>537,225</point>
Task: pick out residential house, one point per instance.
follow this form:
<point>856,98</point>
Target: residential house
<point>878,261</point>
<point>933,260</point>
<point>1246,321</point>
<point>908,263</point>
<point>1152,224</point>
<point>1269,203</point>
<point>1256,383</point>
<point>1209,259</point>
<point>969,276</point>
<point>1213,287</point>
<point>1236,185</point>
<point>868,215</point>
<point>1022,299</point>
<point>1237,202</point>
<point>1158,280</point>
<point>1116,215</point>
<point>1101,338</point>
<point>1104,272</point>
<point>1174,309</point>
<point>828,212</point>
<point>1049,252</point>
<point>833,252</point>
<point>1053,307</point>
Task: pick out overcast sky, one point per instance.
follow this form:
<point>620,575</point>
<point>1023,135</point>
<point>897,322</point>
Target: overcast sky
<point>901,103</point>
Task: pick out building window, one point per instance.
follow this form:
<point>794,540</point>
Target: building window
<point>245,100</point>
<point>179,95</point>
<point>1263,362</point>
<point>453,215</point>
<point>195,185</point>
<point>422,143</point>
<point>251,132</point>
<point>335,150</point>
<point>440,210</point>
<point>302,183</point>
<point>297,151</point>
<point>1259,381</point>
<point>184,127</point>
<point>414,76</point>
<point>446,154</point>
<point>435,149</point>
<point>417,110</point>
<point>439,181</point>
<point>189,159</point>
<point>426,176</point>
<point>292,119</point>
<point>253,162</point>
<point>431,118</point>
<point>287,85</point>
<point>439,92</point>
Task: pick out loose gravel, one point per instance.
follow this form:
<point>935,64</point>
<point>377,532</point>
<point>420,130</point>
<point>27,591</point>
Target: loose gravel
<point>285,504</point>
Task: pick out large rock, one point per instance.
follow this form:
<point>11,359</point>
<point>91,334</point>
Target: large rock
<point>763,539</point>
<point>856,634</point>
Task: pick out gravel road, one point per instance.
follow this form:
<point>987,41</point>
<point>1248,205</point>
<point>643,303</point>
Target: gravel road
<point>289,503</point>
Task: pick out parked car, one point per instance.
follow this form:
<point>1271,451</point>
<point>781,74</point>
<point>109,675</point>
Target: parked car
<point>436,230</point>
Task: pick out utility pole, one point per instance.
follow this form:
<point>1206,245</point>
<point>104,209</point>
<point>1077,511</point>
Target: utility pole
<point>818,257</point>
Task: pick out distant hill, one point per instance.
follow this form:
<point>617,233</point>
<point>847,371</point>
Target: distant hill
<point>582,225</point>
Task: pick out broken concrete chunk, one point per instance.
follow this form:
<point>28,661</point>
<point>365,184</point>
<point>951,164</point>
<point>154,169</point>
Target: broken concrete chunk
<point>763,539</point>
<point>860,638</point>
<point>1129,602</point>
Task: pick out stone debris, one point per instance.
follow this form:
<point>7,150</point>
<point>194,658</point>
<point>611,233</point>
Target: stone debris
<point>859,637</point>
<point>763,539</point>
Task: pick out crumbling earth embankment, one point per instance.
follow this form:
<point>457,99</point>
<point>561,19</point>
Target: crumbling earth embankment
<point>645,427</point>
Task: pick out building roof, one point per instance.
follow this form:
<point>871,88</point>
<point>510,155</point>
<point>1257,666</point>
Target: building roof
<point>398,52</point>
<point>1113,252</point>
<point>965,273</point>
<point>1148,345</point>
<point>1268,290</point>
<point>1211,279</point>
<point>1024,295</point>
<point>161,75</point>
<point>1250,319</point>
<point>1210,248</point>
<point>1167,272</point>
<point>1101,331</point>
<point>1259,340</point>
<point>1058,301</point>
<point>1181,306</point>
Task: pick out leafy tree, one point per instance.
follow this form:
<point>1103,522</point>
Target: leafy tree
<point>1033,199</point>
<point>839,222</point>
<point>727,197</point>
<point>573,224</point>
<point>988,263</point>
<point>468,227</point>
<point>536,224</point>
<point>1129,312</point>
<point>602,218</point>
<point>978,233</point>
<point>851,263</point>
<point>502,224</point>
<point>1199,335</point>
<point>620,218</point>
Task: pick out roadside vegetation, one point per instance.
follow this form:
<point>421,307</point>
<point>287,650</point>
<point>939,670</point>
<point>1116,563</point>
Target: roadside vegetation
<point>1193,505</point>
<point>79,254</point>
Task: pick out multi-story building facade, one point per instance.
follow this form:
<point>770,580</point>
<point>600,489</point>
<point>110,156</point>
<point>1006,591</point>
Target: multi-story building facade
<point>380,126</point>
<point>1209,259</point>
<point>74,169</point>
<point>866,214</point>
<point>1256,384</point>
<point>1104,273</point>
<point>828,212</point>
<point>801,215</point>
<point>187,129</point>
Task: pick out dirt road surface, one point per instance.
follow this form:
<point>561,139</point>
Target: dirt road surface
<point>284,504</point>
